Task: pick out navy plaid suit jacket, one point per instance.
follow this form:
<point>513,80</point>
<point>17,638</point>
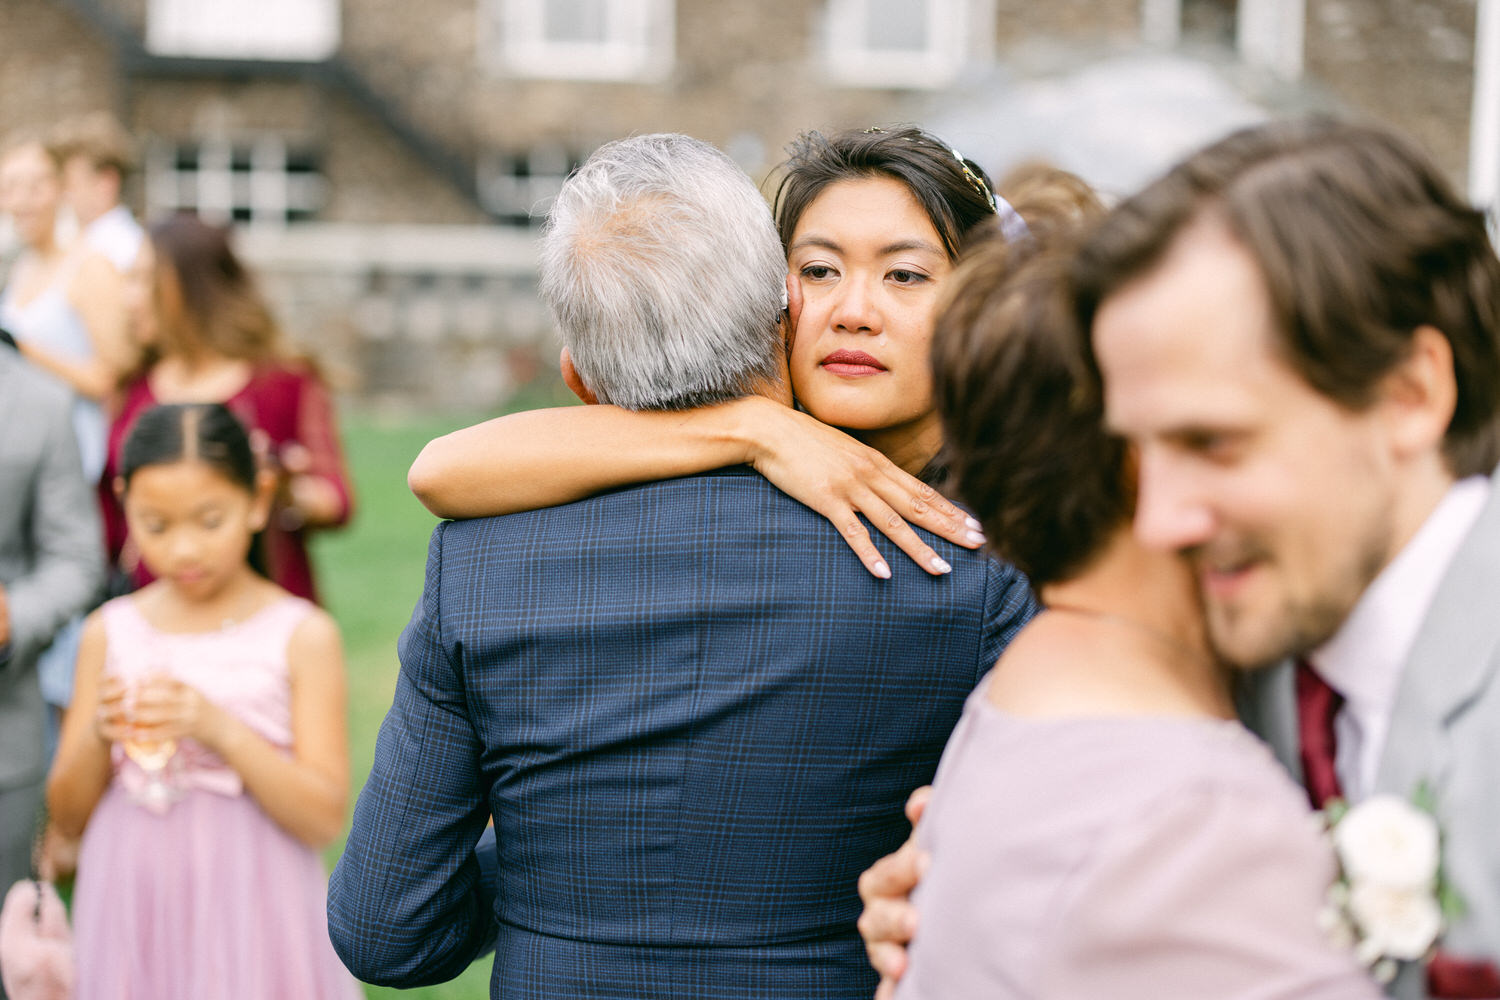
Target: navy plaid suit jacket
<point>694,717</point>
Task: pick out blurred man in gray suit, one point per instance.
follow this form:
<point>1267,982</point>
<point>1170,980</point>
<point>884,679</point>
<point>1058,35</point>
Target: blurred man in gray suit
<point>1299,330</point>
<point>51,567</point>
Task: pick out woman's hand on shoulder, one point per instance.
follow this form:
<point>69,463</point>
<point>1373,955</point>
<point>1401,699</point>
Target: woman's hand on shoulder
<point>842,478</point>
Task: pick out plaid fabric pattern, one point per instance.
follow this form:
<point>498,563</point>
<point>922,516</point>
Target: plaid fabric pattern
<point>694,718</point>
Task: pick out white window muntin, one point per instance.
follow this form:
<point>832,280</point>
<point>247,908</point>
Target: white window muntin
<point>942,53</point>
<point>230,183</point>
<point>637,43</point>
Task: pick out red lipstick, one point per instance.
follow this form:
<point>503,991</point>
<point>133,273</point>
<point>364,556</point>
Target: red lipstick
<point>845,362</point>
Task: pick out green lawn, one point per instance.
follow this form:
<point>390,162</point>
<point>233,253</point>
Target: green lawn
<point>371,576</point>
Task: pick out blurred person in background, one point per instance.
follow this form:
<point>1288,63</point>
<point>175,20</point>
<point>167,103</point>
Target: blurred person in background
<point>64,306</point>
<point>97,156</point>
<point>214,340</point>
<point>51,569</point>
<point>205,759</point>
<point>63,303</point>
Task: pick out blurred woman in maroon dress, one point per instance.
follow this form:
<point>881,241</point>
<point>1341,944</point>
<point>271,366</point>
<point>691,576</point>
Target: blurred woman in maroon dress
<point>214,341</point>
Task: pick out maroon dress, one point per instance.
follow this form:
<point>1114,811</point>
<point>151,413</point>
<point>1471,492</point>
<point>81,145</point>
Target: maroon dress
<point>290,405</point>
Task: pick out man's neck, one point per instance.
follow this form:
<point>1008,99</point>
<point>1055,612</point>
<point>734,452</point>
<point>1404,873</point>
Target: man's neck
<point>1428,483</point>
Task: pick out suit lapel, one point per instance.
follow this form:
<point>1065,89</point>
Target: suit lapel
<point>1267,703</point>
<point>8,415</point>
<point>1451,662</point>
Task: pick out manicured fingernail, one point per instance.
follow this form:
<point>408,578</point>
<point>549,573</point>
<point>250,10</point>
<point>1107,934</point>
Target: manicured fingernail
<point>973,523</point>
<point>882,570</point>
<point>977,537</point>
<point>939,566</point>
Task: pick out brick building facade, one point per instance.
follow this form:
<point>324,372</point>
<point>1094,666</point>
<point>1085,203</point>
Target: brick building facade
<point>388,160</point>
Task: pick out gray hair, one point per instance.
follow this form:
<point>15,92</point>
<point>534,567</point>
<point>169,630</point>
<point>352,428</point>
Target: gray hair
<point>662,265</point>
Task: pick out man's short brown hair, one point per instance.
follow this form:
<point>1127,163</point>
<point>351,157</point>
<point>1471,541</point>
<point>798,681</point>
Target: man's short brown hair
<point>99,138</point>
<point>1360,240</point>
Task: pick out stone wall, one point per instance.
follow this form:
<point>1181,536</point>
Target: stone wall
<point>1407,63</point>
<point>445,317</point>
<point>51,66</point>
<point>747,76</point>
<point>1087,22</point>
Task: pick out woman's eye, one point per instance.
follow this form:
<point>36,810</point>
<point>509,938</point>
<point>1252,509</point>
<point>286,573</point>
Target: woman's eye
<point>904,277</point>
<point>817,272</point>
<point>212,521</point>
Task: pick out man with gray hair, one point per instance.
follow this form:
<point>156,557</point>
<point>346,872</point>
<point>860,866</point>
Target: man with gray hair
<point>692,718</point>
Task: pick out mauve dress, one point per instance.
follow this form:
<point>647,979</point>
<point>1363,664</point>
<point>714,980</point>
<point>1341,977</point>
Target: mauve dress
<point>1123,858</point>
<point>211,899</point>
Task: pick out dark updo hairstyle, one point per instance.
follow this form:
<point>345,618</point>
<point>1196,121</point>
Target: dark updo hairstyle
<point>955,193</point>
<point>190,432</point>
<point>1022,404</point>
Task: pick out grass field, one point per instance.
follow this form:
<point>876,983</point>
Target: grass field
<point>371,576</point>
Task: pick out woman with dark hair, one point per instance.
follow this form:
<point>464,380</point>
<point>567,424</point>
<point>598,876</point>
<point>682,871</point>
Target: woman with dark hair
<point>1100,825</point>
<point>204,762</point>
<point>215,341</point>
<point>873,223</point>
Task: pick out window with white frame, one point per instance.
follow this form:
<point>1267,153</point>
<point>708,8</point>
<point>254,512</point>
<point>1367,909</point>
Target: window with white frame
<point>261,183</point>
<point>297,30</point>
<point>900,43</point>
<point>583,39</point>
<point>518,189</point>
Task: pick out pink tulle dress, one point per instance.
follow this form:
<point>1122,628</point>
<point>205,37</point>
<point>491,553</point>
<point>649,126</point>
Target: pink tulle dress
<point>205,898</point>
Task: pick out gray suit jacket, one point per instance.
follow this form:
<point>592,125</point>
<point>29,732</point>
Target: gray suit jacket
<point>51,555</point>
<point>1445,732</point>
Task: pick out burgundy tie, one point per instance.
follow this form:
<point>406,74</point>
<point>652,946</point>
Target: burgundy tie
<point>1447,975</point>
<point>1317,704</point>
<point>1454,978</point>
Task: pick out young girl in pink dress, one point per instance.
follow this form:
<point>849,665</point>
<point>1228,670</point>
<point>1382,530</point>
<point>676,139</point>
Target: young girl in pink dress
<point>204,759</point>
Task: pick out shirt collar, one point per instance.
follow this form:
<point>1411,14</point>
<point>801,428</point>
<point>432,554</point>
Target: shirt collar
<point>111,218</point>
<point>1363,660</point>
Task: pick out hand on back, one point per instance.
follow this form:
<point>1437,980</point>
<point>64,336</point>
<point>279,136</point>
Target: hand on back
<point>889,921</point>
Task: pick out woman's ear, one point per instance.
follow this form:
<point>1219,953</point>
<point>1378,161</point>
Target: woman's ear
<point>572,379</point>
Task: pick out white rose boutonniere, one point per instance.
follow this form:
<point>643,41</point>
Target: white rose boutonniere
<point>1389,902</point>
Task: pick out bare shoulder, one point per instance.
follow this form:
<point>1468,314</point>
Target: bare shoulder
<point>316,630</point>
<point>93,269</point>
<point>1040,666</point>
<point>1062,665</point>
<point>94,633</point>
